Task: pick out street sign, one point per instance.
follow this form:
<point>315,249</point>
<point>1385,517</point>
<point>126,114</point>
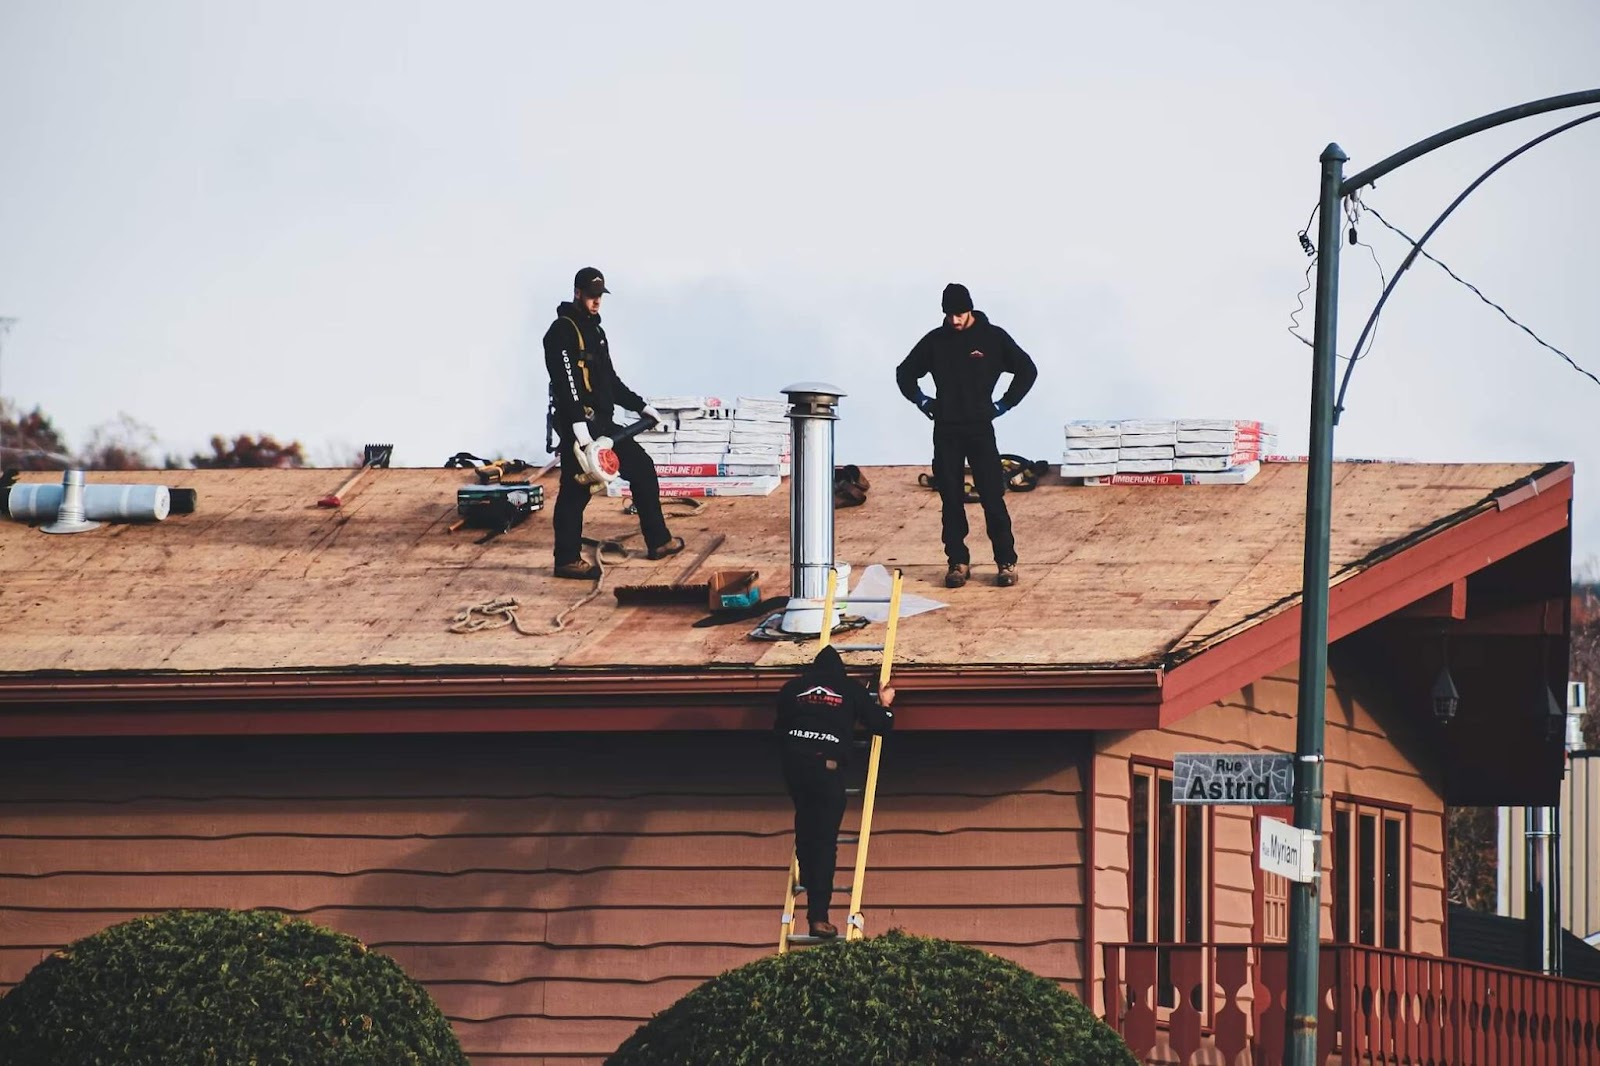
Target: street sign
<point>1288,851</point>
<point>1225,778</point>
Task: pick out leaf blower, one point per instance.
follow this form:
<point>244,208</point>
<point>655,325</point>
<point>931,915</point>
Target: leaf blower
<point>597,462</point>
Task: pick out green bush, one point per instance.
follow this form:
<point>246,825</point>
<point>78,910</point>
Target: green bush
<point>221,988</point>
<point>891,999</point>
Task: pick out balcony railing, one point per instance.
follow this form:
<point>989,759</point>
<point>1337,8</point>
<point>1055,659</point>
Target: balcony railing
<point>1211,1003</point>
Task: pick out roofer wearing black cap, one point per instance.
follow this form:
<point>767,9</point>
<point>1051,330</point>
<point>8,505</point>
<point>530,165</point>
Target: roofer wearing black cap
<point>585,391</point>
<point>817,716</point>
<point>966,356</point>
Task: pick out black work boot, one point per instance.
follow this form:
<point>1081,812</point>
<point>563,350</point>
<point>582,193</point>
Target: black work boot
<point>578,570</point>
<point>661,551</point>
<point>957,575</point>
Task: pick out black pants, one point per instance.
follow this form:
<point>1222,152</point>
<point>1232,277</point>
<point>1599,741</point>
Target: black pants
<point>818,795</point>
<point>956,445</point>
<point>640,474</point>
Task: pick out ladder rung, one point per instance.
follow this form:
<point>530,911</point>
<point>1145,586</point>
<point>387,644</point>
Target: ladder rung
<point>858,647</point>
<point>849,838</point>
<point>852,792</point>
<point>801,938</point>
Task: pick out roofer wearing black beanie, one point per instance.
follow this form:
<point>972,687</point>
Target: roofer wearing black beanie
<point>966,356</point>
<point>817,716</point>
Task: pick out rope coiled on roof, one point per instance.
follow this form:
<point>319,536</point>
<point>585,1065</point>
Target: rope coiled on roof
<point>501,611</point>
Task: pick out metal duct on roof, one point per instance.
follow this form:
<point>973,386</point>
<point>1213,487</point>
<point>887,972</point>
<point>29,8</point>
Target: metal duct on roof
<point>102,503</point>
<point>70,518</point>
<point>812,414</point>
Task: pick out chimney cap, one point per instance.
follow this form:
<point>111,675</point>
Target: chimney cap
<point>813,391</point>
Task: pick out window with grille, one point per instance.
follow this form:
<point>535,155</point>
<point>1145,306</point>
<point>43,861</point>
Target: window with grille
<point>1369,874</point>
<point>1170,862</point>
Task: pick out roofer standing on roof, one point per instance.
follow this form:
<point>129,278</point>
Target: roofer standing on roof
<point>966,356</point>
<point>585,390</point>
<point>817,716</point>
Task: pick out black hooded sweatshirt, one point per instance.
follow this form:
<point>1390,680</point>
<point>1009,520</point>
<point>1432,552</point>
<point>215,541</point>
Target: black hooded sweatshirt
<point>583,383</point>
<point>818,710</point>
<point>966,364</point>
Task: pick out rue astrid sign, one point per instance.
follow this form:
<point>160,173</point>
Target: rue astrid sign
<point>1210,777</point>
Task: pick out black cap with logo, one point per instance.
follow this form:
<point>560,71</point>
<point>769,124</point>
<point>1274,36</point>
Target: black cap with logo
<point>589,282</point>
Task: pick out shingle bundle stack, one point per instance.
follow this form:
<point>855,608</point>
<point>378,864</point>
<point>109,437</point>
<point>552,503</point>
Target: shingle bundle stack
<point>1147,445</point>
<point>1091,449</point>
<point>1206,445</point>
<point>705,447</point>
<point>1174,451</point>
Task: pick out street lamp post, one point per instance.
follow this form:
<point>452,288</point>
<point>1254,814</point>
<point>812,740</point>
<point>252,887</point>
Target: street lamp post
<point>1305,912</point>
<point>1300,1041</point>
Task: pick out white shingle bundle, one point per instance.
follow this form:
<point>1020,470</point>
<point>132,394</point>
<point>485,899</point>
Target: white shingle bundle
<point>1145,449</point>
<point>1205,445</point>
<point>706,446</point>
<point>1092,448</point>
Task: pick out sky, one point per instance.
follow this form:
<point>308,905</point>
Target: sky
<point>346,222</point>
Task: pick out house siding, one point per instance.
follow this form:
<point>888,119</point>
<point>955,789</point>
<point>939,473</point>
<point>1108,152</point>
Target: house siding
<point>1369,754</point>
<point>1579,839</point>
<point>552,892</point>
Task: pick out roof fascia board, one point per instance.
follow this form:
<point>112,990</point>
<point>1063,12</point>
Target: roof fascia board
<point>1368,595</point>
<point>935,700</point>
<point>266,718</point>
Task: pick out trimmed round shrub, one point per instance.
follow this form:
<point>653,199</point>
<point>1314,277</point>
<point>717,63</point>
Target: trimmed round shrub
<point>891,999</point>
<point>216,987</point>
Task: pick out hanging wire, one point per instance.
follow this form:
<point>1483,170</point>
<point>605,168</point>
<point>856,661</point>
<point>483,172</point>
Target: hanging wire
<point>1309,247</point>
<point>1416,249</point>
<point>1479,294</point>
<point>1352,211</point>
<point>1352,215</point>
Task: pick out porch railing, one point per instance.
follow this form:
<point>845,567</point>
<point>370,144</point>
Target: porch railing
<point>1211,1003</point>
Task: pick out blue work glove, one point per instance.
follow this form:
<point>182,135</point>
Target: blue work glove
<point>1000,408</point>
<point>925,405</point>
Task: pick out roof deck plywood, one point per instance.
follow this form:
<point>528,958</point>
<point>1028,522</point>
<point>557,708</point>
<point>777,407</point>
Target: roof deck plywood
<point>261,579</point>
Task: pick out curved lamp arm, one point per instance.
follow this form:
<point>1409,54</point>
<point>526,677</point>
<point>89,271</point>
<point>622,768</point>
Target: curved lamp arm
<point>1416,249</point>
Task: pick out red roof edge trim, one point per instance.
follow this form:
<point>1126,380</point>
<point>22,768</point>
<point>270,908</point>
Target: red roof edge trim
<point>220,706</point>
<point>1370,594</point>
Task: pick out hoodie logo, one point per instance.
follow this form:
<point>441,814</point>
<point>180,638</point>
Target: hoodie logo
<point>820,694</point>
<point>976,353</point>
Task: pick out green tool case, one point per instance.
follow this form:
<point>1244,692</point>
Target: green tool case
<point>498,506</point>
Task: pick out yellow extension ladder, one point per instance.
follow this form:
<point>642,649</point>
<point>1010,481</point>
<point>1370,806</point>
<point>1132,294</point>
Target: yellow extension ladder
<point>854,927</point>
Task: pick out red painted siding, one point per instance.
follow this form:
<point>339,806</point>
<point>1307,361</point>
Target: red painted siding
<point>554,891</point>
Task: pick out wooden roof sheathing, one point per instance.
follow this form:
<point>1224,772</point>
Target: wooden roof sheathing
<point>260,578</point>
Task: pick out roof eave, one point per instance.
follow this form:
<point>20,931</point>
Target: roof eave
<point>982,698</point>
<point>1507,521</point>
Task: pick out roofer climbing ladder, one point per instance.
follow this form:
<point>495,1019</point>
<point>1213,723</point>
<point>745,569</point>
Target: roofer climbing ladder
<point>855,927</point>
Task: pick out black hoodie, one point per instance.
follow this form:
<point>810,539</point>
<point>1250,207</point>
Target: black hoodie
<point>583,383</point>
<point>966,364</point>
<point>819,709</point>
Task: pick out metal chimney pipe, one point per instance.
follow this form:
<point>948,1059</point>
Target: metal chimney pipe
<point>811,417</point>
<point>1543,922</point>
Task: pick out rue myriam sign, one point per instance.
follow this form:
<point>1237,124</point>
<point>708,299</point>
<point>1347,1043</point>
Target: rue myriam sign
<point>1288,851</point>
<point>1225,778</point>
